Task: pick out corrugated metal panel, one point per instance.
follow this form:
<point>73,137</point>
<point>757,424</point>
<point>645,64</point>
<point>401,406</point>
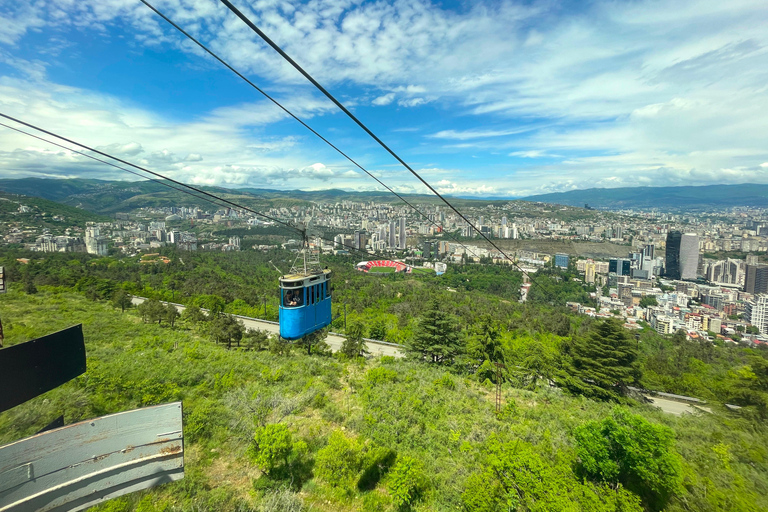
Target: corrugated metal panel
<point>32,368</point>
<point>81,465</point>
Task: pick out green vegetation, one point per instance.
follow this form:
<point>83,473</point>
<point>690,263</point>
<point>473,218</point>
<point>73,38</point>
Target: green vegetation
<point>382,270</point>
<point>271,428</point>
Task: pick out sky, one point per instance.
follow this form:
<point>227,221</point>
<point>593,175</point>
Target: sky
<point>483,99</point>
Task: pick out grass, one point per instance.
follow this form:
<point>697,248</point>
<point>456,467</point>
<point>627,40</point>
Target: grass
<point>382,270</point>
<point>438,417</point>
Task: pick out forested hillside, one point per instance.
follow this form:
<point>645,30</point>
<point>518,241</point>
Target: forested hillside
<point>268,427</point>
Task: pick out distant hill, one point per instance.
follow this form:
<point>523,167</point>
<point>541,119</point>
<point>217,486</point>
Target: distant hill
<point>746,194</point>
<point>106,197</point>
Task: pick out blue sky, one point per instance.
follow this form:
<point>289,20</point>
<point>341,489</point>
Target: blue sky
<point>482,98</point>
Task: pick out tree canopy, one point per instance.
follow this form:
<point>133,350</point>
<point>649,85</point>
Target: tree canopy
<point>602,363</point>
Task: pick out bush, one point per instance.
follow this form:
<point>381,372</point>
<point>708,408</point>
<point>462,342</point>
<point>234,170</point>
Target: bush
<point>272,444</point>
<point>629,450</point>
<point>339,461</point>
<point>406,482</point>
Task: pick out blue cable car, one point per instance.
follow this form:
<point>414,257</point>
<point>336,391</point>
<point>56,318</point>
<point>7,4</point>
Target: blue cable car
<point>305,303</point>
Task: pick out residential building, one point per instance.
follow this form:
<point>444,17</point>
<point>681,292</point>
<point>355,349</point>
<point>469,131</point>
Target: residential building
<point>756,312</point>
<point>756,279</point>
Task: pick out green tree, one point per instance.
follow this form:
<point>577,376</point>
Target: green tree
<point>406,482</point>
<point>627,449</point>
<point>193,314</point>
<point>317,340</point>
<point>152,310</point>
<point>437,338</point>
<point>226,329</point>
<point>121,300</point>
<point>256,339</point>
<point>353,345</point>
<point>485,349</point>
<point>378,330</point>
<point>339,461</point>
<point>516,477</point>
<point>648,300</point>
<point>272,444</point>
<point>171,314</point>
<point>602,363</point>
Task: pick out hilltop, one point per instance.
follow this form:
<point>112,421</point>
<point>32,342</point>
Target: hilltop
<point>689,198</point>
<point>107,197</point>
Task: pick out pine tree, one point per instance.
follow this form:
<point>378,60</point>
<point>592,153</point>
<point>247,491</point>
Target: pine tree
<point>437,339</point>
<point>602,363</point>
<point>353,345</point>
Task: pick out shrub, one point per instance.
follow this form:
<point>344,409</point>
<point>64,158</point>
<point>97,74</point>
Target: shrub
<point>339,461</point>
<point>406,482</point>
<point>629,450</point>
<point>272,444</point>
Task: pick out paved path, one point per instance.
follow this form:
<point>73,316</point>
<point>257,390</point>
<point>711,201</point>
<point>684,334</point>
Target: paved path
<point>674,407</point>
<point>334,340</point>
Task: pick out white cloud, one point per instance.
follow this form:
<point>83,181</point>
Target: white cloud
<point>386,99</point>
<point>214,150</point>
<point>475,134</point>
<point>628,92</point>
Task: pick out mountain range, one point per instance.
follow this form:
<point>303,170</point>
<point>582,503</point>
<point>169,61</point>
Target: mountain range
<point>688,198</point>
<point>112,196</point>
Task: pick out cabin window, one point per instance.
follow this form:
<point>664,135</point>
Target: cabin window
<point>293,298</point>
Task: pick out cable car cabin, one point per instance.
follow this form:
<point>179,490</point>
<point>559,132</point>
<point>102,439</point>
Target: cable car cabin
<point>305,303</point>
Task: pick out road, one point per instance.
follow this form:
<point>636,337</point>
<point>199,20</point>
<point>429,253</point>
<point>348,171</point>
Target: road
<point>674,407</point>
<point>334,340</point>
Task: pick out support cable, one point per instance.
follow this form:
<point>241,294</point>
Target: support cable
<point>189,188</point>
<point>328,95</point>
<point>284,109</point>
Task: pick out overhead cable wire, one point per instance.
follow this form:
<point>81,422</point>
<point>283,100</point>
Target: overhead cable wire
<point>300,121</point>
<point>82,153</point>
<point>162,177</point>
<point>344,109</point>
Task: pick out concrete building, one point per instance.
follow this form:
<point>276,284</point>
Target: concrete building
<point>589,272</point>
<point>403,236</point>
<point>672,263</point>
<point>619,266</point>
<point>561,260</point>
<point>756,312</point>
<point>689,256</point>
<point>756,279</point>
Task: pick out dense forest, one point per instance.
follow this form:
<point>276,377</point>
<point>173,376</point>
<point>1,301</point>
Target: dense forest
<point>269,427</point>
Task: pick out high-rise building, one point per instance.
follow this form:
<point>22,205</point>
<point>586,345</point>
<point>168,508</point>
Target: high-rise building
<point>589,272</point>
<point>620,267</point>
<point>756,279</point>
<point>360,240</point>
<point>689,256</point>
<point>649,252</point>
<point>401,244</point>
<point>392,235</point>
<point>756,312</point>
<point>561,260</point>
<point>672,263</point>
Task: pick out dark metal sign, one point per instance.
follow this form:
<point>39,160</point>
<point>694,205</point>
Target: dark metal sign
<point>81,465</point>
<point>32,368</point>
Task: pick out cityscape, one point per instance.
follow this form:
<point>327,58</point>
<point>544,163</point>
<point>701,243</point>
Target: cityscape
<point>383,256</point>
<point>669,275</point>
